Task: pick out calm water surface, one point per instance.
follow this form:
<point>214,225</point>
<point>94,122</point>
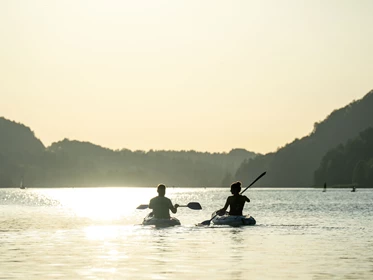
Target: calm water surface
<point>96,234</point>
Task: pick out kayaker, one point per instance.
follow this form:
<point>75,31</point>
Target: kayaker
<point>236,202</point>
<point>162,205</point>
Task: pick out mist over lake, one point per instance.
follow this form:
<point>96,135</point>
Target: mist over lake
<point>95,233</point>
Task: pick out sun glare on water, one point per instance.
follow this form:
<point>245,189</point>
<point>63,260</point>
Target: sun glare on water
<point>100,203</point>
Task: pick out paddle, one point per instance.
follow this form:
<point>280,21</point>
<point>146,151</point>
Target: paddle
<point>191,205</point>
<point>207,222</point>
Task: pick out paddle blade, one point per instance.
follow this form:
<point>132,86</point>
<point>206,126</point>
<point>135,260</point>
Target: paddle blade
<point>205,223</point>
<point>194,205</point>
<point>142,206</point>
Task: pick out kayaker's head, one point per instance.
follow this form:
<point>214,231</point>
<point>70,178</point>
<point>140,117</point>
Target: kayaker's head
<point>161,189</point>
<point>236,187</point>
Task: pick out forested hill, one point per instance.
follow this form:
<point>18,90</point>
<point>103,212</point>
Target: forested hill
<point>349,164</point>
<point>18,148</point>
<point>73,163</point>
<point>18,141</point>
<point>295,163</point>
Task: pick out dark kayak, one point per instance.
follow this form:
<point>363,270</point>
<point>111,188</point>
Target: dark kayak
<point>150,220</point>
<point>234,221</point>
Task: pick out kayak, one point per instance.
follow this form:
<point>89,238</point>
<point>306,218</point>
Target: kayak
<point>233,221</point>
<point>150,220</point>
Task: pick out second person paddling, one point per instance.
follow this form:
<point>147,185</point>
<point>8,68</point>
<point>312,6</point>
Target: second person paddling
<point>236,201</point>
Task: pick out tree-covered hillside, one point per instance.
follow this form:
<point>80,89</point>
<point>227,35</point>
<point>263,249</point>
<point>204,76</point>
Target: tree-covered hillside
<point>351,163</point>
<point>17,141</point>
<point>74,163</point>
<point>19,149</point>
<point>295,163</point>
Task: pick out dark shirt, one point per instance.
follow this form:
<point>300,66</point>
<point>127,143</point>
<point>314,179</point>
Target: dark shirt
<point>161,206</point>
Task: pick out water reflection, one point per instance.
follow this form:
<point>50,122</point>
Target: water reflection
<point>237,235</point>
<point>99,203</point>
<point>237,254</point>
<point>102,232</point>
<point>61,234</point>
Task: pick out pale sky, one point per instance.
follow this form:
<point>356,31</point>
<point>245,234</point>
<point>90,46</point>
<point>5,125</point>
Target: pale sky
<point>181,75</point>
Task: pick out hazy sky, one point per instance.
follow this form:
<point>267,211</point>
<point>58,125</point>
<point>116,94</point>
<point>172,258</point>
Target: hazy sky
<point>181,75</point>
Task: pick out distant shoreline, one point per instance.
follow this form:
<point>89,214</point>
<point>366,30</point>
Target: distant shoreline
<point>197,187</point>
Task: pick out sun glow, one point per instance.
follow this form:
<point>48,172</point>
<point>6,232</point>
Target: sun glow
<point>100,203</point>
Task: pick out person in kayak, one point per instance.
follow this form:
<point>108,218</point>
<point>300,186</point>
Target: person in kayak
<point>236,202</point>
<point>162,205</point>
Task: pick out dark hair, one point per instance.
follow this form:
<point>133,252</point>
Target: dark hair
<point>161,187</point>
<point>236,187</point>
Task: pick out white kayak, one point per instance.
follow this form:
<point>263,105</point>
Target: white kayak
<point>150,220</point>
<point>233,221</point>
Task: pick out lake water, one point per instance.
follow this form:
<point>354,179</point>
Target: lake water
<point>95,233</point>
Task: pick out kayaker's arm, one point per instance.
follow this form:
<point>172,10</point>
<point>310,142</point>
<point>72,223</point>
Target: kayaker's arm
<point>246,198</point>
<point>222,210</point>
<point>174,208</point>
